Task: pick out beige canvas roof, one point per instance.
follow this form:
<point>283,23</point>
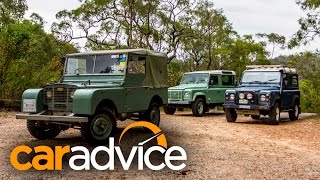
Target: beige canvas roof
<point>122,51</point>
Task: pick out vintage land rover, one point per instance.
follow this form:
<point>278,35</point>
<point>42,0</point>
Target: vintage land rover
<point>98,88</point>
<point>200,90</point>
<point>265,90</point>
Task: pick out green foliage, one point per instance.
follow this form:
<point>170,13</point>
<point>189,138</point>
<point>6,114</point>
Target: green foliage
<point>176,69</point>
<point>308,66</point>
<point>309,25</point>
<point>29,57</point>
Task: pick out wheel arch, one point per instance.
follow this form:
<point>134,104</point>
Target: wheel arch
<point>199,95</point>
<point>108,103</point>
<point>156,99</point>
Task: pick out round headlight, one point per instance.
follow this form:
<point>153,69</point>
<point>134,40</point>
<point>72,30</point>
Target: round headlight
<point>49,94</point>
<point>231,96</point>
<point>187,95</point>
<point>72,94</point>
<point>241,96</point>
<point>263,98</point>
<point>249,96</point>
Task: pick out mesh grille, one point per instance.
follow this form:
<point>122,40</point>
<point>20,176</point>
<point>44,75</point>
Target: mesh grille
<point>175,95</point>
<point>60,98</point>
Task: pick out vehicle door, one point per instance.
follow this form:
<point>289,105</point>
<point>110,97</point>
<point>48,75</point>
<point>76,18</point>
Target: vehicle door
<point>213,89</point>
<point>136,95</point>
<point>287,94</point>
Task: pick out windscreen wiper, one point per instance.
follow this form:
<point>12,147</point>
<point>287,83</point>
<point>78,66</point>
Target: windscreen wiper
<point>270,80</point>
<point>252,82</point>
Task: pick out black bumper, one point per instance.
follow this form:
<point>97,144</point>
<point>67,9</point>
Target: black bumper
<point>246,107</point>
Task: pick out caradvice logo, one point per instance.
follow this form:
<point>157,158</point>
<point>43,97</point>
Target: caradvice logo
<point>53,158</point>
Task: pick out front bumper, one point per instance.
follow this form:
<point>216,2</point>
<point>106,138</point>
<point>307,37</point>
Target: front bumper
<point>179,102</point>
<point>44,117</point>
<point>246,107</point>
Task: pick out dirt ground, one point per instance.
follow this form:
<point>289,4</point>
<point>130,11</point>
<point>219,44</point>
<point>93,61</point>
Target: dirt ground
<point>216,149</point>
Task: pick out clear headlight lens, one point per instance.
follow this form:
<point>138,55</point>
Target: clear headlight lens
<point>72,94</point>
<point>187,95</point>
<point>49,94</point>
<point>241,96</point>
<point>232,97</point>
<point>249,96</point>
<point>263,98</point>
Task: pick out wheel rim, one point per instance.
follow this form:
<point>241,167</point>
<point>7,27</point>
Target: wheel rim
<point>101,128</point>
<point>296,110</point>
<point>278,114</point>
<point>154,116</point>
<point>200,107</point>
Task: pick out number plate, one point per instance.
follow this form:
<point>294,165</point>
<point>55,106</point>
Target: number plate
<point>243,101</point>
<point>244,107</point>
<point>29,105</point>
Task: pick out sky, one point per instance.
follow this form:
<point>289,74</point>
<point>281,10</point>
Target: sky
<point>246,16</point>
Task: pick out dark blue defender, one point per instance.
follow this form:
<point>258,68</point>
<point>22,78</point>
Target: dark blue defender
<point>265,90</point>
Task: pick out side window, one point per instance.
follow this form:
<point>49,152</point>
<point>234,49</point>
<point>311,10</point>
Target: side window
<point>294,81</point>
<point>214,80</point>
<point>136,65</point>
<point>227,80</point>
<point>285,80</point>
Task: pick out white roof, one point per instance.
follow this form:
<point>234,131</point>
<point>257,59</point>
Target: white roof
<point>213,72</point>
<point>271,68</point>
<point>122,51</point>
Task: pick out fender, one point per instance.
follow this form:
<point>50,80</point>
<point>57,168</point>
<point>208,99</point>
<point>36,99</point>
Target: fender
<point>294,99</point>
<point>198,94</point>
<point>273,98</point>
<point>36,94</point>
<point>86,101</point>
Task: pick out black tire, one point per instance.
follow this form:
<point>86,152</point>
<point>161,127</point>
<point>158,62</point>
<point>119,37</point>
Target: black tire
<point>42,130</point>
<point>169,110</point>
<point>294,114</point>
<point>153,114</point>
<point>99,128</point>
<point>274,115</point>
<point>255,117</point>
<point>198,107</point>
<point>231,115</point>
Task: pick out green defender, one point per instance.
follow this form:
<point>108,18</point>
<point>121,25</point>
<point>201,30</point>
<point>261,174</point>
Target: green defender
<point>98,88</point>
<point>200,90</point>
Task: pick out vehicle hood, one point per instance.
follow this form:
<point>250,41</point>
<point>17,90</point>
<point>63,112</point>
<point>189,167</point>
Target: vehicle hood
<point>183,87</point>
<point>257,89</point>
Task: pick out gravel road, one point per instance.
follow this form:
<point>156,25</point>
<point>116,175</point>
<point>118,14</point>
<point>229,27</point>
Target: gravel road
<point>216,149</point>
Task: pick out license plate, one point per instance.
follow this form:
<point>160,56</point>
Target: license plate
<point>243,101</point>
<point>244,107</point>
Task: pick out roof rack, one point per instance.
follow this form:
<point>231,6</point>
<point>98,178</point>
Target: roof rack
<point>286,69</point>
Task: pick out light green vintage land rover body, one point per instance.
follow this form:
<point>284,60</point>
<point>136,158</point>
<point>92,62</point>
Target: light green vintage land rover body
<point>200,91</point>
<point>97,89</point>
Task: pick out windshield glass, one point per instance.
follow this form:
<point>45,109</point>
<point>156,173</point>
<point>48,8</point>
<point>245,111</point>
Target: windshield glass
<point>96,64</point>
<point>261,77</point>
<point>195,79</point>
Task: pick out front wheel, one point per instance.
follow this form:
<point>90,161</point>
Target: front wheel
<point>198,107</point>
<point>169,110</point>
<point>98,130</point>
<point>294,114</point>
<point>231,115</point>
<point>274,115</point>
<point>42,130</point>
